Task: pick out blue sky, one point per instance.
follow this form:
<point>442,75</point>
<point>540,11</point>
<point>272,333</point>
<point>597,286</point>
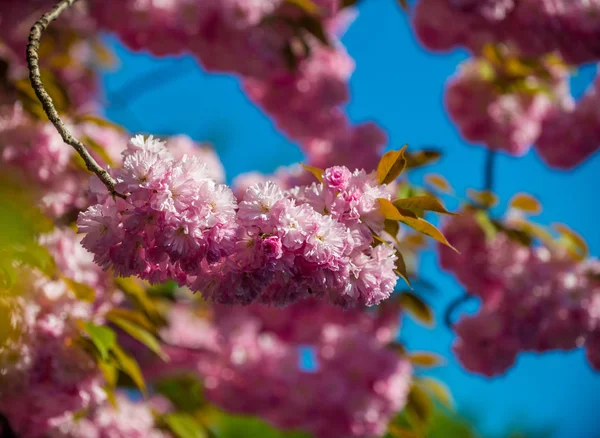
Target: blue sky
<point>399,85</point>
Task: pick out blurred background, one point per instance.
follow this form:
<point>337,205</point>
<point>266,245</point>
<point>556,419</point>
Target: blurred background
<point>399,85</point>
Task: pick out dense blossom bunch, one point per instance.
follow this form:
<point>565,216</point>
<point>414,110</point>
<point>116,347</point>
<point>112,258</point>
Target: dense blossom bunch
<point>571,132</point>
<point>126,419</point>
<point>508,120</point>
<point>339,395</point>
<point>173,218</point>
<point>533,299</point>
<point>44,375</point>
<point>535,27</point>
<point>274,247</point>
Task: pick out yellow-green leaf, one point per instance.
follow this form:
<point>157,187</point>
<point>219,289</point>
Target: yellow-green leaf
<point>136,317</point>
<point>486,224</point>
<point>425,359</point>
<point>391,227</point>
<point>438,182</point>
<point>427,203</point>
<point>318,173</point>
<point>140,334</point>
<point>401,268</point>
<point>306,5</point>
<point>572,241</point>
<point>419,407</point>
<point>82,291</point>
<point>184,425</point>
<point>378,240</point>
<point>109,371</point>
<point>526,203</point>
<point>417,308</point>
<point>131,287</point>
<point>388,210</point>
<point>92,118</point>
<point>484,198</point>
<point>129,366</point>
<point>438,390</point>
<point>424,227</point>
<point>103,338</point>
<point>400,432</point>
<point>391,166</point>
<point>421,158</point>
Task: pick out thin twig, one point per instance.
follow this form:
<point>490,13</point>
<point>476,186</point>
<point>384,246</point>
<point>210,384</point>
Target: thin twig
<point>455,304</point>
<point>33,46</point>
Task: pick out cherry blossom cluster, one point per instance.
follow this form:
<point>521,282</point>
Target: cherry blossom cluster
<point>44,375</point>
<point>533,299</point>
<point>571,131</point>
<point>501,119</point>
<point>250,364</point>
<point>534,28</point>
<point>126,419</point>
<point>273,247</point>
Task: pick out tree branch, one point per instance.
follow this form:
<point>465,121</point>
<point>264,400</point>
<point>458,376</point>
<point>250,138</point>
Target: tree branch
<point>33,46</point>
<point>455,304</point>
<point>488,179</point>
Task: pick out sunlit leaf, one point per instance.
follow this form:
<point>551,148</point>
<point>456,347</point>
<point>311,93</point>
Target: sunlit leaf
<point>129,366</point>
<point>427,203</point>
<point>417,308</point>
<point>421,158</point>
<point>425,359</point>
<point>103,338</point>
<point>140,334</point>
<point>388,210</point>
<point>318,173</point>
<point>80,290</point>
<point>306,5</point>
<point>419,407</point>
<point>486,224</point>
<point>109,371</point>
<point>438,182</point>
<point>134,316</point>
<point>484,198</point>
<point>184,425</point>
<point>401,432</point>
<point>572,241</point>
<point>391,166</point>
<point>424,227</point>
<point>131,287</point>
<point>438,390</point>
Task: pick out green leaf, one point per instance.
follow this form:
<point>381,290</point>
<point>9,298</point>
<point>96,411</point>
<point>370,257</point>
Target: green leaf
<point>185,392</point>
<point>427,203</point>
<point>132,288</point>
<point>391,166</point>
<point>103,338</point>
<point>318,173</point>
<point>98,150</point>
<point>401,432</point>
<point>38,257</point>
<point>417,308</point>
<point>134,316</point>
<point>424,227</point>
<point>109,371</point>
<point>419,407</point>
<point>485,223</point>
<point>425,359</point>
<point>82,291</point>
<point>184,425</point>
<point>140,334</point>
<point>129,366</point>
<point>438,390</point>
